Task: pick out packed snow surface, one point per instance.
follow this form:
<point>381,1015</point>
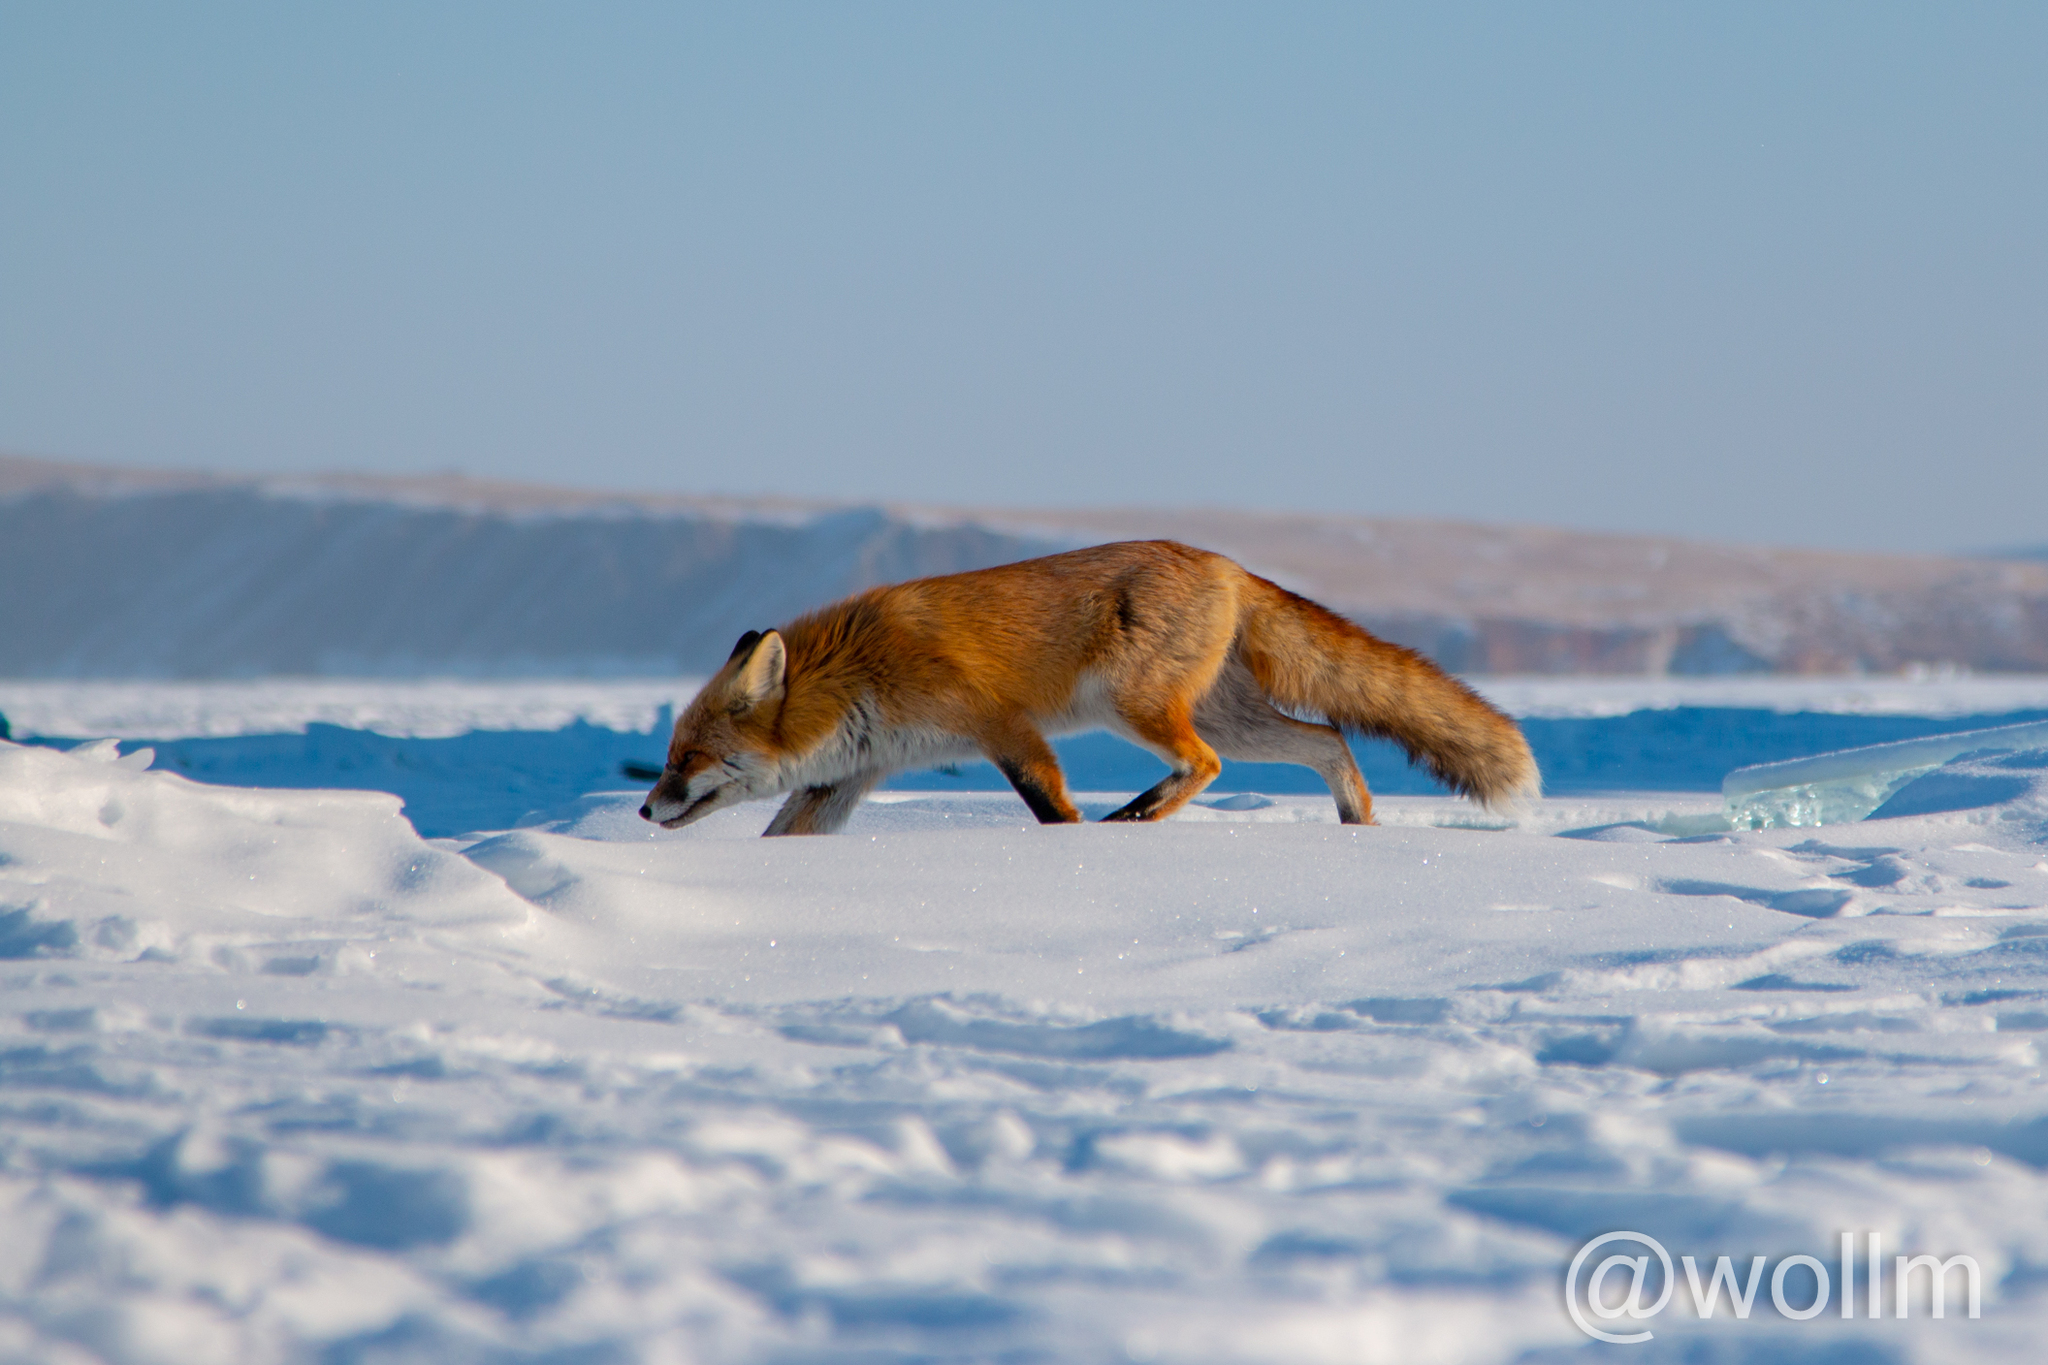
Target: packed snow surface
<point>282,1081</point>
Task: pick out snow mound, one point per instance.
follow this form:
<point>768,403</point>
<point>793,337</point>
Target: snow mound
<point>102,858</point>
<point>2008,786</point>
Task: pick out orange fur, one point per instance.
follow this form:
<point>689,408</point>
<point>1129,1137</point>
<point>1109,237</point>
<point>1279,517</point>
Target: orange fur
<point>1175,648</point>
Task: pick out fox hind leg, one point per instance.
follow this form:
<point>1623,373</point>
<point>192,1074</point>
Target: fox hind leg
<point>1170,733</point>
<point>1237,719</point>
<point>822,810</point>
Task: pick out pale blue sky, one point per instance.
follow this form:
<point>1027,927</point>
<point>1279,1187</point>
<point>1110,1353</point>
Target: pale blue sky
<point>1761,272</point>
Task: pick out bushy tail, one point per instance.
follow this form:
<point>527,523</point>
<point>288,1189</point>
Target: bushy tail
<point>1313,662</point>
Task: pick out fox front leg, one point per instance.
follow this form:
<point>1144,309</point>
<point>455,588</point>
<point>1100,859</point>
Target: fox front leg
<point>821,810</point>
<point>1021,754</point>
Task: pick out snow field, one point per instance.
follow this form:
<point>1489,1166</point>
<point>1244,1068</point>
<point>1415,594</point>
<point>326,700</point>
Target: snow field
<point>280,1080</point>
<point>434,708</point>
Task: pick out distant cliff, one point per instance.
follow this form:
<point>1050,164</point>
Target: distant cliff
<point>117,573</point>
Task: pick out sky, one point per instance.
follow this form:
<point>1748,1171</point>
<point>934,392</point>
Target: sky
<point>1770,273</point>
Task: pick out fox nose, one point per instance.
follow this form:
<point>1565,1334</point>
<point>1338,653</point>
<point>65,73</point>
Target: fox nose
<point>646,812</point>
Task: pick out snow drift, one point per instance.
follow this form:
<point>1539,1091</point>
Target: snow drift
<point>283,1081</point>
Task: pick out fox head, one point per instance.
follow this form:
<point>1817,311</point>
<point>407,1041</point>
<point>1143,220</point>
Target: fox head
<point>723,751</point>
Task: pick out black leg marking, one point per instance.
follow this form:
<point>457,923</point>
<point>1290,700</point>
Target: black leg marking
<point>1034,794</point>
<point>1141,806</point>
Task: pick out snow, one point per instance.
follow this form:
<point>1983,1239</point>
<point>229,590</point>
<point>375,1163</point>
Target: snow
<point>281,1080</point>
<point>431,709</point>
<point>1930,692</point>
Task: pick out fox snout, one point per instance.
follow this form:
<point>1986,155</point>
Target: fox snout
<point>683,795</point>
<point>669,799</point>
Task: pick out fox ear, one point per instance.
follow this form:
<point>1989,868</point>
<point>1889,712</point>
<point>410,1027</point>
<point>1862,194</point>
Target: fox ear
<point>760,677</point>
<point>747,642</point>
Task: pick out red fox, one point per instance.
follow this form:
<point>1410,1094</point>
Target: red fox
<point>1174,648</point>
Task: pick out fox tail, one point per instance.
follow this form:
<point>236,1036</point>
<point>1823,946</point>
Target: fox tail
<point>1313,662</point>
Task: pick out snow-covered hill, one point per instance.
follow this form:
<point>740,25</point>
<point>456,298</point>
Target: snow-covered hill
<point>117,573</point>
